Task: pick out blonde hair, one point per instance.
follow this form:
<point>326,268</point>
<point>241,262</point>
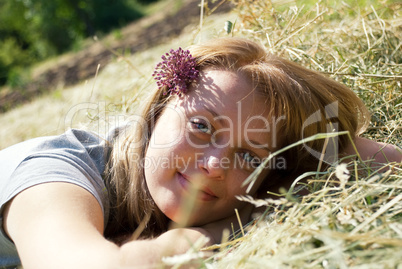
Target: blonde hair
<point>291,91</point>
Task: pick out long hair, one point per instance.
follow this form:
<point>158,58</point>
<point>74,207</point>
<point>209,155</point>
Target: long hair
<point>131,203</point>
<point>293,94</point>
<point>303,102</point>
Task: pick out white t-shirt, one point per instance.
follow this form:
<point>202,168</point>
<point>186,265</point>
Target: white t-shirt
<point>76,157</point>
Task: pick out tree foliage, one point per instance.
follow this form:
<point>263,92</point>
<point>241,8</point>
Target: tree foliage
<point>32,30</point>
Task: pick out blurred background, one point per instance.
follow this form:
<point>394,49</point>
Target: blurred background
<point>34,30</point>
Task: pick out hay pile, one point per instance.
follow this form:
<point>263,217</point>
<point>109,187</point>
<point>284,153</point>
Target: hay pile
<point>352,217</point>
<point>357,224</point>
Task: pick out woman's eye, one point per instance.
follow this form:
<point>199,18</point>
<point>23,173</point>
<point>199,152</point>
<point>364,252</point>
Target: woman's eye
<point>201,126</point>
<point>254,161</point>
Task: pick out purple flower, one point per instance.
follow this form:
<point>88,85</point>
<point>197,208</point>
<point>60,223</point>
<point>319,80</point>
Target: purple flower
<point>176,71</point>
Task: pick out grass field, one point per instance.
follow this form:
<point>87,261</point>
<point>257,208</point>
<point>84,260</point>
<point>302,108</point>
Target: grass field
<point>354,225</point>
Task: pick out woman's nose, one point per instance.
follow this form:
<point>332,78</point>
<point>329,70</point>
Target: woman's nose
<point>212,166</point>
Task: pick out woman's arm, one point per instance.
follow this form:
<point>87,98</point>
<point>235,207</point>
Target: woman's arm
<point>59,225</point>
<point>378,154</point>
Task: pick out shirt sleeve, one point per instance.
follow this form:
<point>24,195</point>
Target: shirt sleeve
<point>76,157</point>
<point>45,168</point>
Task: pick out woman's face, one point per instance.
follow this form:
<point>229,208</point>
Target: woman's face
<point>204,145</point>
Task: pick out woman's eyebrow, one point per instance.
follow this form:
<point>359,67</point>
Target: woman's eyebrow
<point>221,119</point>
<point>258,145</point>
<point>211,111</point>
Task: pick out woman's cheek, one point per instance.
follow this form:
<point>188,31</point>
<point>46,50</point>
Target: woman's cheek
<point>167,133</point>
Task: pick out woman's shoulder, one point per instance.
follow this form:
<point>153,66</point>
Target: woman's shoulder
<point>72,139</point>
<point>76,157</point>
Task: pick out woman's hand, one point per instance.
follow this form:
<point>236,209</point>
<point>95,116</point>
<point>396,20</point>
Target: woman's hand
<point>232,223</point>
<point>149,253</point>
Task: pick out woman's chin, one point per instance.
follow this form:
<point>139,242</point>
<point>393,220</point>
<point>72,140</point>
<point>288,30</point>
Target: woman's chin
<point>184,220</point>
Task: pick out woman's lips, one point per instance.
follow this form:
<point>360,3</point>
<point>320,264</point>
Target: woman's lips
<point>204,193</point>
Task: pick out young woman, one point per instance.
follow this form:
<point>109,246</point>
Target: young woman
<point>70,201</point>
